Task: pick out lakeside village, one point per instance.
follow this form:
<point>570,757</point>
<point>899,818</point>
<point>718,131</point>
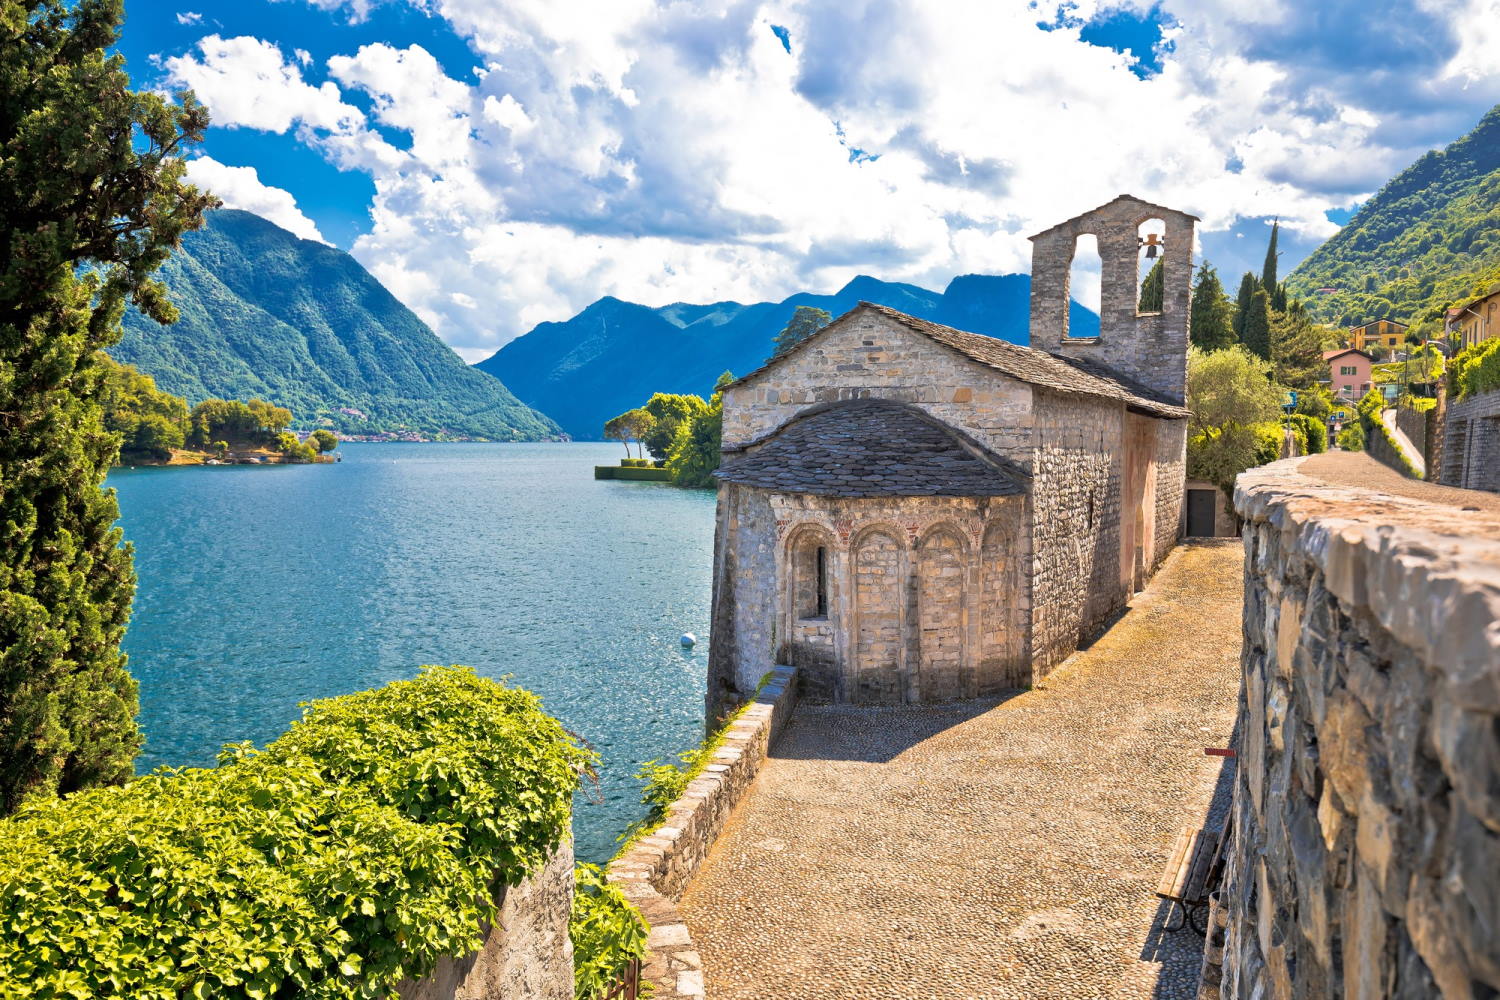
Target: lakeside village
<point>1084,667</point>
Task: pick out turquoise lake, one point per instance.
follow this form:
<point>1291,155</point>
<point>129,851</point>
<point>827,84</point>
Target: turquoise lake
<point>261,587</point>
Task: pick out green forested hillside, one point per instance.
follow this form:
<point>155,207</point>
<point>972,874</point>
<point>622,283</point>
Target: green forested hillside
<point>1429,237</point>
<point>303,325</point>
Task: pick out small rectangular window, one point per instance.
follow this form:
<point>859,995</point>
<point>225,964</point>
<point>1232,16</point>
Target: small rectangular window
<point>822,582</point>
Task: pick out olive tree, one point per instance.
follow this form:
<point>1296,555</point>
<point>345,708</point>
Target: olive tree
<point>1229,394</point>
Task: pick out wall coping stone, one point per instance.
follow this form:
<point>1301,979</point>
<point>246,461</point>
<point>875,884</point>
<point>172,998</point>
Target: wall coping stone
<point>653,873</point>
<point>1382,551</point>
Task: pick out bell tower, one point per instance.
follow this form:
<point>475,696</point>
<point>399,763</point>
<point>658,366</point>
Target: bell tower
<point>1143,333</point>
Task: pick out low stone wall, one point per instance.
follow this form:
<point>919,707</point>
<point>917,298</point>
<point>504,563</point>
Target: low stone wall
<point>1414,424</point>
<point>527,954</point>
<point>653,873</point>
<point>1365,859</point>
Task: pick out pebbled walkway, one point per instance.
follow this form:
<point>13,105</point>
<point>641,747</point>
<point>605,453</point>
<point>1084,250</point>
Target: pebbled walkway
<point>1358,469</point>
<point>983,849</point>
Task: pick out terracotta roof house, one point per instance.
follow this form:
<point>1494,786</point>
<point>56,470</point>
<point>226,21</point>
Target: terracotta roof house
<point>1348,373</point>
<point>912,513</point>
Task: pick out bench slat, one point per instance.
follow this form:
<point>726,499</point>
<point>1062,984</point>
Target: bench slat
<point>1197,880</point>
<point>1174,876</point>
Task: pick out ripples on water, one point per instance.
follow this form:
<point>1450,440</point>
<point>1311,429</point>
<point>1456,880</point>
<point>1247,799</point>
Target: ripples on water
<point>264,587</point>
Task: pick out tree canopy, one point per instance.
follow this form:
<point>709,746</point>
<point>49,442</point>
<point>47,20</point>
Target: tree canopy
<point>1211,324</point>
<point>699,441</point>
<point>1255,330</point>
<point>805,321</point>
<point>92,201</point>
<point>632,425</point>
<point>668,411</point>
<point>1232,399</point>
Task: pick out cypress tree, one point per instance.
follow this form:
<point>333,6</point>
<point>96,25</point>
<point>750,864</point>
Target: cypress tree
<point>1248,286</point>
<point>92,199</point>
<point>1268,272</point>
<point>1151,290</point>
<point>1210,326</point>
<point>1257,335</point>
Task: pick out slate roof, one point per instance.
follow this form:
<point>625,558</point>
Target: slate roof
<point>1025,364</point>
<point>872,448</point>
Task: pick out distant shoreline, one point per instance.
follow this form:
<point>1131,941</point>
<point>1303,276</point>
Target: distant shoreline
<point>189,457</point>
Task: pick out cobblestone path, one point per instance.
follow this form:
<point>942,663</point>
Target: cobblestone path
<point>984,849</point>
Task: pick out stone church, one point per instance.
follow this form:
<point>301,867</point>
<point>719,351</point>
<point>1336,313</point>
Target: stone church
<point>912,513</point>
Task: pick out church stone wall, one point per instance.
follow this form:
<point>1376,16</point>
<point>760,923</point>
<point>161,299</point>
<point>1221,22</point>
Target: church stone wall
<point>1171,484</point>
<point>1365,857</point>
<point>742,646</point>
<point>1076,545</point>
<point>927,598</point>
<point>870,356</point>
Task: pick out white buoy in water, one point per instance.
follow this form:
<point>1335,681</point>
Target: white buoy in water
<point>689,640</point>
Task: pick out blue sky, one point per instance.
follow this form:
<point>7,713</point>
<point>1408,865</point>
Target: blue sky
<point>497,165</point>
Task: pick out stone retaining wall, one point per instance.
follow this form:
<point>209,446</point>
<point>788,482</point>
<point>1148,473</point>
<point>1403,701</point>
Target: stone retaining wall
<point>653,873</point>
<point>1380,447</point>
<point>526,955</point>
<point>1365,859</point>
<point>1414,424</point>
<point>1471,443</point>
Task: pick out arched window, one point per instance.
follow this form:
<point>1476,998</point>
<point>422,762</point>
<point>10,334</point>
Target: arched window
<point>1084,276</point>
<point>810,576</point>
<point>1151,266</point>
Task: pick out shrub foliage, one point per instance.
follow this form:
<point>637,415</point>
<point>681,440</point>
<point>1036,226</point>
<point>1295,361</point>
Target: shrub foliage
<point>347,855</point>
<point>607,932</point>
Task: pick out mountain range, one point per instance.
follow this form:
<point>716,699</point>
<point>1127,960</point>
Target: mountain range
<point>1430,237</point>
<point>303,325</point>
<point>614,354</point>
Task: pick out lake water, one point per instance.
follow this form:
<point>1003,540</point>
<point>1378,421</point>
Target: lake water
<point>261,587</point>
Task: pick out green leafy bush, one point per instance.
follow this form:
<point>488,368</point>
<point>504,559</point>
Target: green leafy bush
<point>1352,437</point>
<point>635,463</point>
<point>1268,438</point>
<point>1475,369</point>
<point>607,932</point>
<point>1313,433</point>
<point>347,855</point>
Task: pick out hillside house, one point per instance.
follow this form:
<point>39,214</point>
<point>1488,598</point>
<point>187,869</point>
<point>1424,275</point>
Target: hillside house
<point>913,513</point>
<point>1382,335</point>
<point>1474,321</point>
<point>1348,373</point>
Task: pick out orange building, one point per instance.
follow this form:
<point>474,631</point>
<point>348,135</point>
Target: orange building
<point>1476,320</point>
<point>1384,334</point>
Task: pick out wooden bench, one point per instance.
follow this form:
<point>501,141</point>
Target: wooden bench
<point>1193,870</point>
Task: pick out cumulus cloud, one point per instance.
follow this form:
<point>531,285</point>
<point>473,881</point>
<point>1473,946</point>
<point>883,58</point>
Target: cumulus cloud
<point>189,17</point>
<point>748,148</point>
<point>241,187</point>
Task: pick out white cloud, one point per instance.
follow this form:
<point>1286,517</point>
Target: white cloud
<point>660,151</point>
<point>241,187</point>
<point>189,17</point>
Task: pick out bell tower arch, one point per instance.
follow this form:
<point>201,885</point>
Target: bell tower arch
<point>1143,329</point>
